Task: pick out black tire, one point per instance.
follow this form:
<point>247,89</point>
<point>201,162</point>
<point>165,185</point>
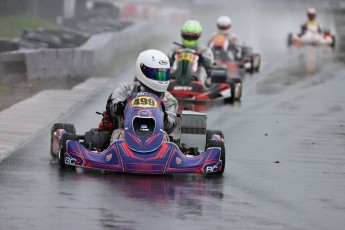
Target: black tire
<point>334,42</point>
<point>64,139</point>
<point>257,68</point>
<point>289,40</point>
<point>219,144</point>
<point>237,81</point>
<point>210,133</point>
<point>252,68</point>
<point>231,99</point>
<point>240,94</point>
<point>69,128</point>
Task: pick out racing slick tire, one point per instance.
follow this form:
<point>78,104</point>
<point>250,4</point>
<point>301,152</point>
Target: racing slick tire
<point>334,42</point>
<point>256,62</point>
<point>219,144</point>
<point>65,137</point>
<point>289,40</point>
<point>69,128</point>
<point>238,87</point>
<point>252,68</point>
<point>232,98</point>
<point>210,133</point>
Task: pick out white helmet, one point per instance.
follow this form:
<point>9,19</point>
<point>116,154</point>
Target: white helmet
<point>153,70</point>
<point>224,23</point>
<point>311,13</point>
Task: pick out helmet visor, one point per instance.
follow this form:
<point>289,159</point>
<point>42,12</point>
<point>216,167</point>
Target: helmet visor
<point>157,74</point>
<point>190,36</point>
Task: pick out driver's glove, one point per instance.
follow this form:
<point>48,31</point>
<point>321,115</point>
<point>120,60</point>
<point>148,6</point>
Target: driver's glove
<point>119,108</point>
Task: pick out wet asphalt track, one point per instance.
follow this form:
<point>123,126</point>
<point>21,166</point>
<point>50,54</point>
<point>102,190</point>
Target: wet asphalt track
<point>292,112</point>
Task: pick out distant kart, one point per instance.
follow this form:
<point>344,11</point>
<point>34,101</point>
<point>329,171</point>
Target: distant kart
<point>235,74</point>
<point>247,59</point>
<point>186,86</point>
<point>192,149</point>
<point>312,38</point>
<point>241,54</point>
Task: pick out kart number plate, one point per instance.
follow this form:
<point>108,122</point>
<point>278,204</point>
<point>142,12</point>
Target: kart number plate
<point>143,101</point>
<point>186,57</point>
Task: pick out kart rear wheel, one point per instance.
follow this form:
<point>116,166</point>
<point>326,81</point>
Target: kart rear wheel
<point>257,61</point>
<point>64,139</point>
<point>210,133</point>
<point>252,62</point>
<point>333,43</point>
<point>219,144</point>
<point>69,128</point>
<point>289,40</point>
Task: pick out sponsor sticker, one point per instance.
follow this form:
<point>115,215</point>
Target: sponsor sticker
<point>108,157</point>
<point>178,160</point>
<point>163,62</point>
<point>183,88</point>
<point>211,169</point>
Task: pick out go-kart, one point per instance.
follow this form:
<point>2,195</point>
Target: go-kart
<point>313,38</point>
<point>235,74</point>
<point>241,56</point>
<point>248,60</point>
<point>191,149</point>
<point>186,85</point>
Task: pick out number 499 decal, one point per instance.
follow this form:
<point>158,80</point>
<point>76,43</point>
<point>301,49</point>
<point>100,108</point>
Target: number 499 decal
<point>144,101</point>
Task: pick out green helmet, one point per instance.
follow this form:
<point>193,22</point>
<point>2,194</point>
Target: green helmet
<point>190,32</point>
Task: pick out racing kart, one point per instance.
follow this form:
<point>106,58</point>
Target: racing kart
<point>234,72</point>
<point>186,84</point>
<point>241,56</point>
<point>247,59</point>
<point>313,38</point>
<point>191,149</point>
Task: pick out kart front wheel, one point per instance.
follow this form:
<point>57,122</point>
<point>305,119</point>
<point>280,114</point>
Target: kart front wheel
<point>69,128</point>
<point>238,88</point>
<point>65,137</point>
<point>219,144</point>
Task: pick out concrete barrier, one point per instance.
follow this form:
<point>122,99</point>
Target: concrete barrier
<point>12,68</point>
<point>86,61</point>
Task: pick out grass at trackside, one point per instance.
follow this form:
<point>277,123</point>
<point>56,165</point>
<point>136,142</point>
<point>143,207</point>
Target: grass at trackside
<point>12,26</point>
<point>5,89</point>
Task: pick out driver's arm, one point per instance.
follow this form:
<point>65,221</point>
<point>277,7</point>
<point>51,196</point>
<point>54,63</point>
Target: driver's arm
<point>171,105</point>
<point>207,57</point>
<point>120,93</point>
<point>319,28</point>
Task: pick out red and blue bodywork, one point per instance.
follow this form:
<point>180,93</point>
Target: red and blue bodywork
<point>143,149</point>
